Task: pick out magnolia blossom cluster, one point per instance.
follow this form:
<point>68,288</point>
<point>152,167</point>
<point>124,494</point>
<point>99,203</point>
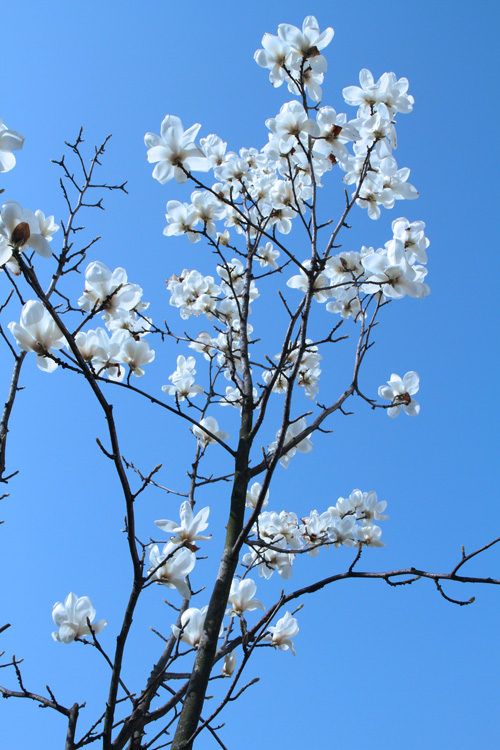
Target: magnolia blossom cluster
<point>392,272</point>
<point>106,352</point>
<point>172,565</point>
<point>258,193</point>
<point>123,345</point>
<point>294,53</point>
<point>278,537</point>
<point>270,187</point>
<point>307,370</point>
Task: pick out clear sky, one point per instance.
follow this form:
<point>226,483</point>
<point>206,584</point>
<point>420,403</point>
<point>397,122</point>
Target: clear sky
<point>376,667</point>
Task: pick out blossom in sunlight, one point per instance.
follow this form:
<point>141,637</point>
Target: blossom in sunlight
<point>305,445</point>
<point>387,91</point>
<point>192,622</point>
<point>73,618</point>
<point>183,385</point>
<point>241,597</point>
<point>47,225</point>
<point>399,392</point>
<point>135,354</point>
<point>20,228</point>
<point>212,425</point>
<point>175,151</point>
<point>268,560</point>
<point>253,495</point>
<point>108,290</point>
<point>267,255</point>
<point>37,332</point>
<point>10,140</point>
<point>188,530</point>
<point>171,566</point>
<point>281,634</point>
<point>370,535</point>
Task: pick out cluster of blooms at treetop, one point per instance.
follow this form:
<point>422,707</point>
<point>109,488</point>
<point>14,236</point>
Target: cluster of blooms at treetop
<point>244,211</point>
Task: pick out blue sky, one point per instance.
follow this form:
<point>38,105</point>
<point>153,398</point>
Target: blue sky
<point>376,666</point>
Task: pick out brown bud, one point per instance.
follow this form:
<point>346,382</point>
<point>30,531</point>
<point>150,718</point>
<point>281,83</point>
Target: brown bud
<point>20,235</point>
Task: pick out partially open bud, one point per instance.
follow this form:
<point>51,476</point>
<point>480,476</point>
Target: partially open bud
<point>20,235</point>
<point>229,664</point>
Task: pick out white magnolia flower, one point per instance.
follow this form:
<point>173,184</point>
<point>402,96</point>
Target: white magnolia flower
<point>253,495</point>
<point>267,255</point>
<point>175,151</point>
<point>268,560</point>
<point>305,445</point>
<point>399,392</point>
<point>192,622</point>
<point>281,634</point>
<point>291,125</point>
<point>73,617</point>
<point>229,664</point>
<point>37,332</point>
<point>20,228</point>
<point>321,286</point>
<point>10,140</point>
<point>171,566</point>
<point>135,354</point>
<point>212,425</point>
<point>387,91</point>
<point>370,535</point>
<point>241,597</point>
<point>48,227</point>
<point>109,289</point>
<point>188,530</point>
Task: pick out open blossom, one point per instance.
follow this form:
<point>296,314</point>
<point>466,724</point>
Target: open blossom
<point>387,91</point>
<point>267,255</point>
<point>241,597</point>
<point>212,425</point>
<point>305,445</point>
<point>192,622</point>
<point>292,125</point>
<point>370,535</point>
<point>413,238</point>
<point>268,560</point>
<point>188,530</point>
<point>253,496</point>
<point>171,566</point>
<point>73,617</point>
<point>281,634</point>
<point>109,289</point>
<point>388,271</point>
<point>10,140</point>
<point>20,228</point>
<point>298,51</point>
<point>175,151</point>
<point>399,392</point>
<point>321,286</point>
<point>135,354</point>
<point>102,352</point>
<point>193,293</point>
<point>47,225</point>
<point>37,332</point>
<point>182,379</point>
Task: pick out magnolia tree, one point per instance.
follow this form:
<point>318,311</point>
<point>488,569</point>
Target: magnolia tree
<point>243,207</point>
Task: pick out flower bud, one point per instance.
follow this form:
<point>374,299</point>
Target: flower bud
<point>229,664</point>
